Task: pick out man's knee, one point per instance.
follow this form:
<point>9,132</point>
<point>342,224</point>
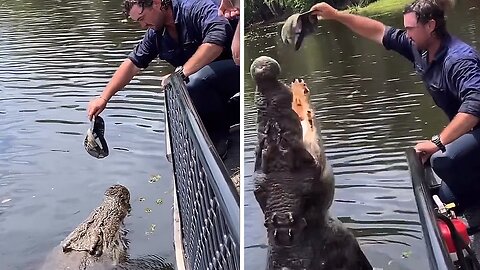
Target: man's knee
<point>195,82</point>
<point>442,164</point>
<point>220,79</point>
<point>222,70</point>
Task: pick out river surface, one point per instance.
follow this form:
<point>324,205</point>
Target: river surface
<point>55,56</point>
<point>371,107</point>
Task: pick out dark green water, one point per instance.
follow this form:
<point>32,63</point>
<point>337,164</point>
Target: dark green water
<point>371,107</point>
<point>55,56</point>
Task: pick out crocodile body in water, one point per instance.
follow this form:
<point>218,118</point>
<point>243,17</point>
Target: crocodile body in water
<point>294,185</point>
<point>99,242</point>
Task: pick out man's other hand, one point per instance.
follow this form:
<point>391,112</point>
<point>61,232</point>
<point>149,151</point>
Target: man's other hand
<point>324,10</point>
<point>425,150</point>
<point>228,10</point>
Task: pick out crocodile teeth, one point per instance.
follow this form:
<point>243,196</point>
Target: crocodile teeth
<point>274,216</point>
<point>290,233</point>
<point>275,233</point>
<point>290,217</point>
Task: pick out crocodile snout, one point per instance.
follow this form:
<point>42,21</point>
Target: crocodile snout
<point>286,219</point>
<point>284,237</point>
<point>285,227</point>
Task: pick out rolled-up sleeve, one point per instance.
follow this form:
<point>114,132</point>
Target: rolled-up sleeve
<point>145,51</point>
<point>212,27</point>
<point>397,40</point>
<point>465,76</point>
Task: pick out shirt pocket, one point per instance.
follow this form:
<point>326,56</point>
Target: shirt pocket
<point>438,90</point>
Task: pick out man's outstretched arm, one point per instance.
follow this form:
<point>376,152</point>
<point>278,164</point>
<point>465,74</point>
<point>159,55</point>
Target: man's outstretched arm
<point>120,79</point>
<point>365,27</point>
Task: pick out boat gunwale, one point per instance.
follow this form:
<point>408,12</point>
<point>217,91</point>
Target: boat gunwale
<point>422,181</point>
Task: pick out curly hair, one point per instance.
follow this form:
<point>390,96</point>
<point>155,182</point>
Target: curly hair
<point>128,4</point>
<point>427,10</point>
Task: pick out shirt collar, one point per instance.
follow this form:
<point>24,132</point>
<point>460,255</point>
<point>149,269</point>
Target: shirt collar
<point>443,49</point>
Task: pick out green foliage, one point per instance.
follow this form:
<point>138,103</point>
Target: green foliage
<point>268,10</point>
<point>382,7</point>
<point>265,10</point>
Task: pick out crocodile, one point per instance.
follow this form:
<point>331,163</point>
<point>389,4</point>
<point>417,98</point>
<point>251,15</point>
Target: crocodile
<point>294,183</point>
<point>99,242</point>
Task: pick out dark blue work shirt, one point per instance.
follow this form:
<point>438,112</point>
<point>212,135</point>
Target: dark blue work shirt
<point>452,78</point>
<point>197,22</point>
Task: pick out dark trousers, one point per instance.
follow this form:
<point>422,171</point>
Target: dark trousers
<point>459,169</point>
<point>211,89</point>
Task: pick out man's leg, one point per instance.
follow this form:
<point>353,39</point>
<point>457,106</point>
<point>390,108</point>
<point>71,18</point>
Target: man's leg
<point>210,89</point>
<point>459,169</point>
<point>445,194</point>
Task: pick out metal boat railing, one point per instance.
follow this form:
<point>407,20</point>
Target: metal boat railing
<point>422,177</point>
<point>208,203</point>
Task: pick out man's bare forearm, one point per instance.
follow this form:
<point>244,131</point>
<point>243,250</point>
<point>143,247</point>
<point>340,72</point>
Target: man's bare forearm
<point>365,27</point>
<point>120,78</point>
<point>205,54</point>
<point>461,124</point>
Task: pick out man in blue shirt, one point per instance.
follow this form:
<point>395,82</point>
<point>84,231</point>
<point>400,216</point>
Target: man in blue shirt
<point>194,38</point>
<point>450,70</point>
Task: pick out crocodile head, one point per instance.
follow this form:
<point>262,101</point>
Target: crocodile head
<point>264,69</point>
<point>119,195</point>
<point>100,236</point>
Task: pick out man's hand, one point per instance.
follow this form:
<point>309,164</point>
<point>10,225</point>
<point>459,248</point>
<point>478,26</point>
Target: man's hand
<point>324,10</point>
<point>164,79</point>
<point>425,150</point>
<point>95,107</point>
<point>228,10</point>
